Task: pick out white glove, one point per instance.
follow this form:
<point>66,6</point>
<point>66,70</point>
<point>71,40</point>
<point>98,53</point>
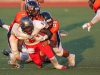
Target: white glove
<point>86,25</point>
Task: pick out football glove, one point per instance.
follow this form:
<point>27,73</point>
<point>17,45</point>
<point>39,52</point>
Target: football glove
<point>63,33</point>
<point>1,23</point>
<point>86,25</point>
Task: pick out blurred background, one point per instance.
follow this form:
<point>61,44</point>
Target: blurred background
<point>16,3</point>
<point>46,0</point>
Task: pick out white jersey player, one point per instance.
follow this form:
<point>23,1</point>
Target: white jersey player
<point>16,34</point>
<point>31,33</point>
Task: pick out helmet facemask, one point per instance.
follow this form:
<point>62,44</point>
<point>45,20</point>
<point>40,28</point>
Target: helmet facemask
<point>26,25</point>
<point>46,16</point>
<point>28,30</point>
<point>32,8</point>
<point>49,23</point>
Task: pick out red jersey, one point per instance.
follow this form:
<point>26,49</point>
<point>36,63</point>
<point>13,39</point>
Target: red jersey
<point>18,17</point>
<point>96,5</point>
<point>21,14</point>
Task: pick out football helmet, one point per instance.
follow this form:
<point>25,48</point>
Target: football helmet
<point>91,2</point>
<point>48,18</point>
<point>26,25</point>
<point>32,8</point>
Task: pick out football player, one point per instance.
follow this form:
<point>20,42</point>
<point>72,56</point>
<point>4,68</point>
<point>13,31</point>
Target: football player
<point>23,2</point>
<point>31,13</point>
<point>23,31</point>
<point>32,42</point>
<point>54,41</point>
<point>95,5</point>
<point>32,10</point>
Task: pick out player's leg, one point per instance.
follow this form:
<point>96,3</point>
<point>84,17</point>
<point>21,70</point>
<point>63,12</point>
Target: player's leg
<point>14,47</point>
<point>36,58</point>
<point>65,53</point>
<point>3,25</point>
<point>23,55</point>
<point>15,55</point>
<point>34,54</point>
<point>48,52</point>
<point>13,62</point>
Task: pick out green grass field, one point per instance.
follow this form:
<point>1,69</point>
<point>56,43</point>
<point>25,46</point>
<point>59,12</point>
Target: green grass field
<point>85,45</point>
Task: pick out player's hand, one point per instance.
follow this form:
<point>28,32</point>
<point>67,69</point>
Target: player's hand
<point>1,23</point>
<point>86,25</point>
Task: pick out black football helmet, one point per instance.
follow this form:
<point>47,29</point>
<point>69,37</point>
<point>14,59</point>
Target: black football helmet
<point>32,8</point>
<point>91,2</point>
<point>26,25</point>
<point>48,18</point>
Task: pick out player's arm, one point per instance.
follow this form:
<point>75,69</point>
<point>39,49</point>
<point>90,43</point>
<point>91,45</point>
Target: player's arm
<point>96,17</point>
<point>22,4</point>
<point>43,35</point>
<point>53,41</point>
<point>20,44</point>
<point>17,32</point>
<point>3,25</point>
<point>93,21</point>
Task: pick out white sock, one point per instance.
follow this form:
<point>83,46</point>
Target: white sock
<point>55,63</point>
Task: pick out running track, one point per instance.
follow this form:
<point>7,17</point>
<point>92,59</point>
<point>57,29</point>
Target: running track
<point>48,4</point>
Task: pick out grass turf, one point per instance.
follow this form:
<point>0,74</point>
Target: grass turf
<point>84,44</point>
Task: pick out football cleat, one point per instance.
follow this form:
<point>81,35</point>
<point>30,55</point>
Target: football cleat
<point>71,60</point>
<point>61,67</point>
<point>6,52</point>
<point>64,67</point>
<point>14,64</point>
<point>40,66</point>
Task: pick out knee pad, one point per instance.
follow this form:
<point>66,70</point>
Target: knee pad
<point>58,51</point>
